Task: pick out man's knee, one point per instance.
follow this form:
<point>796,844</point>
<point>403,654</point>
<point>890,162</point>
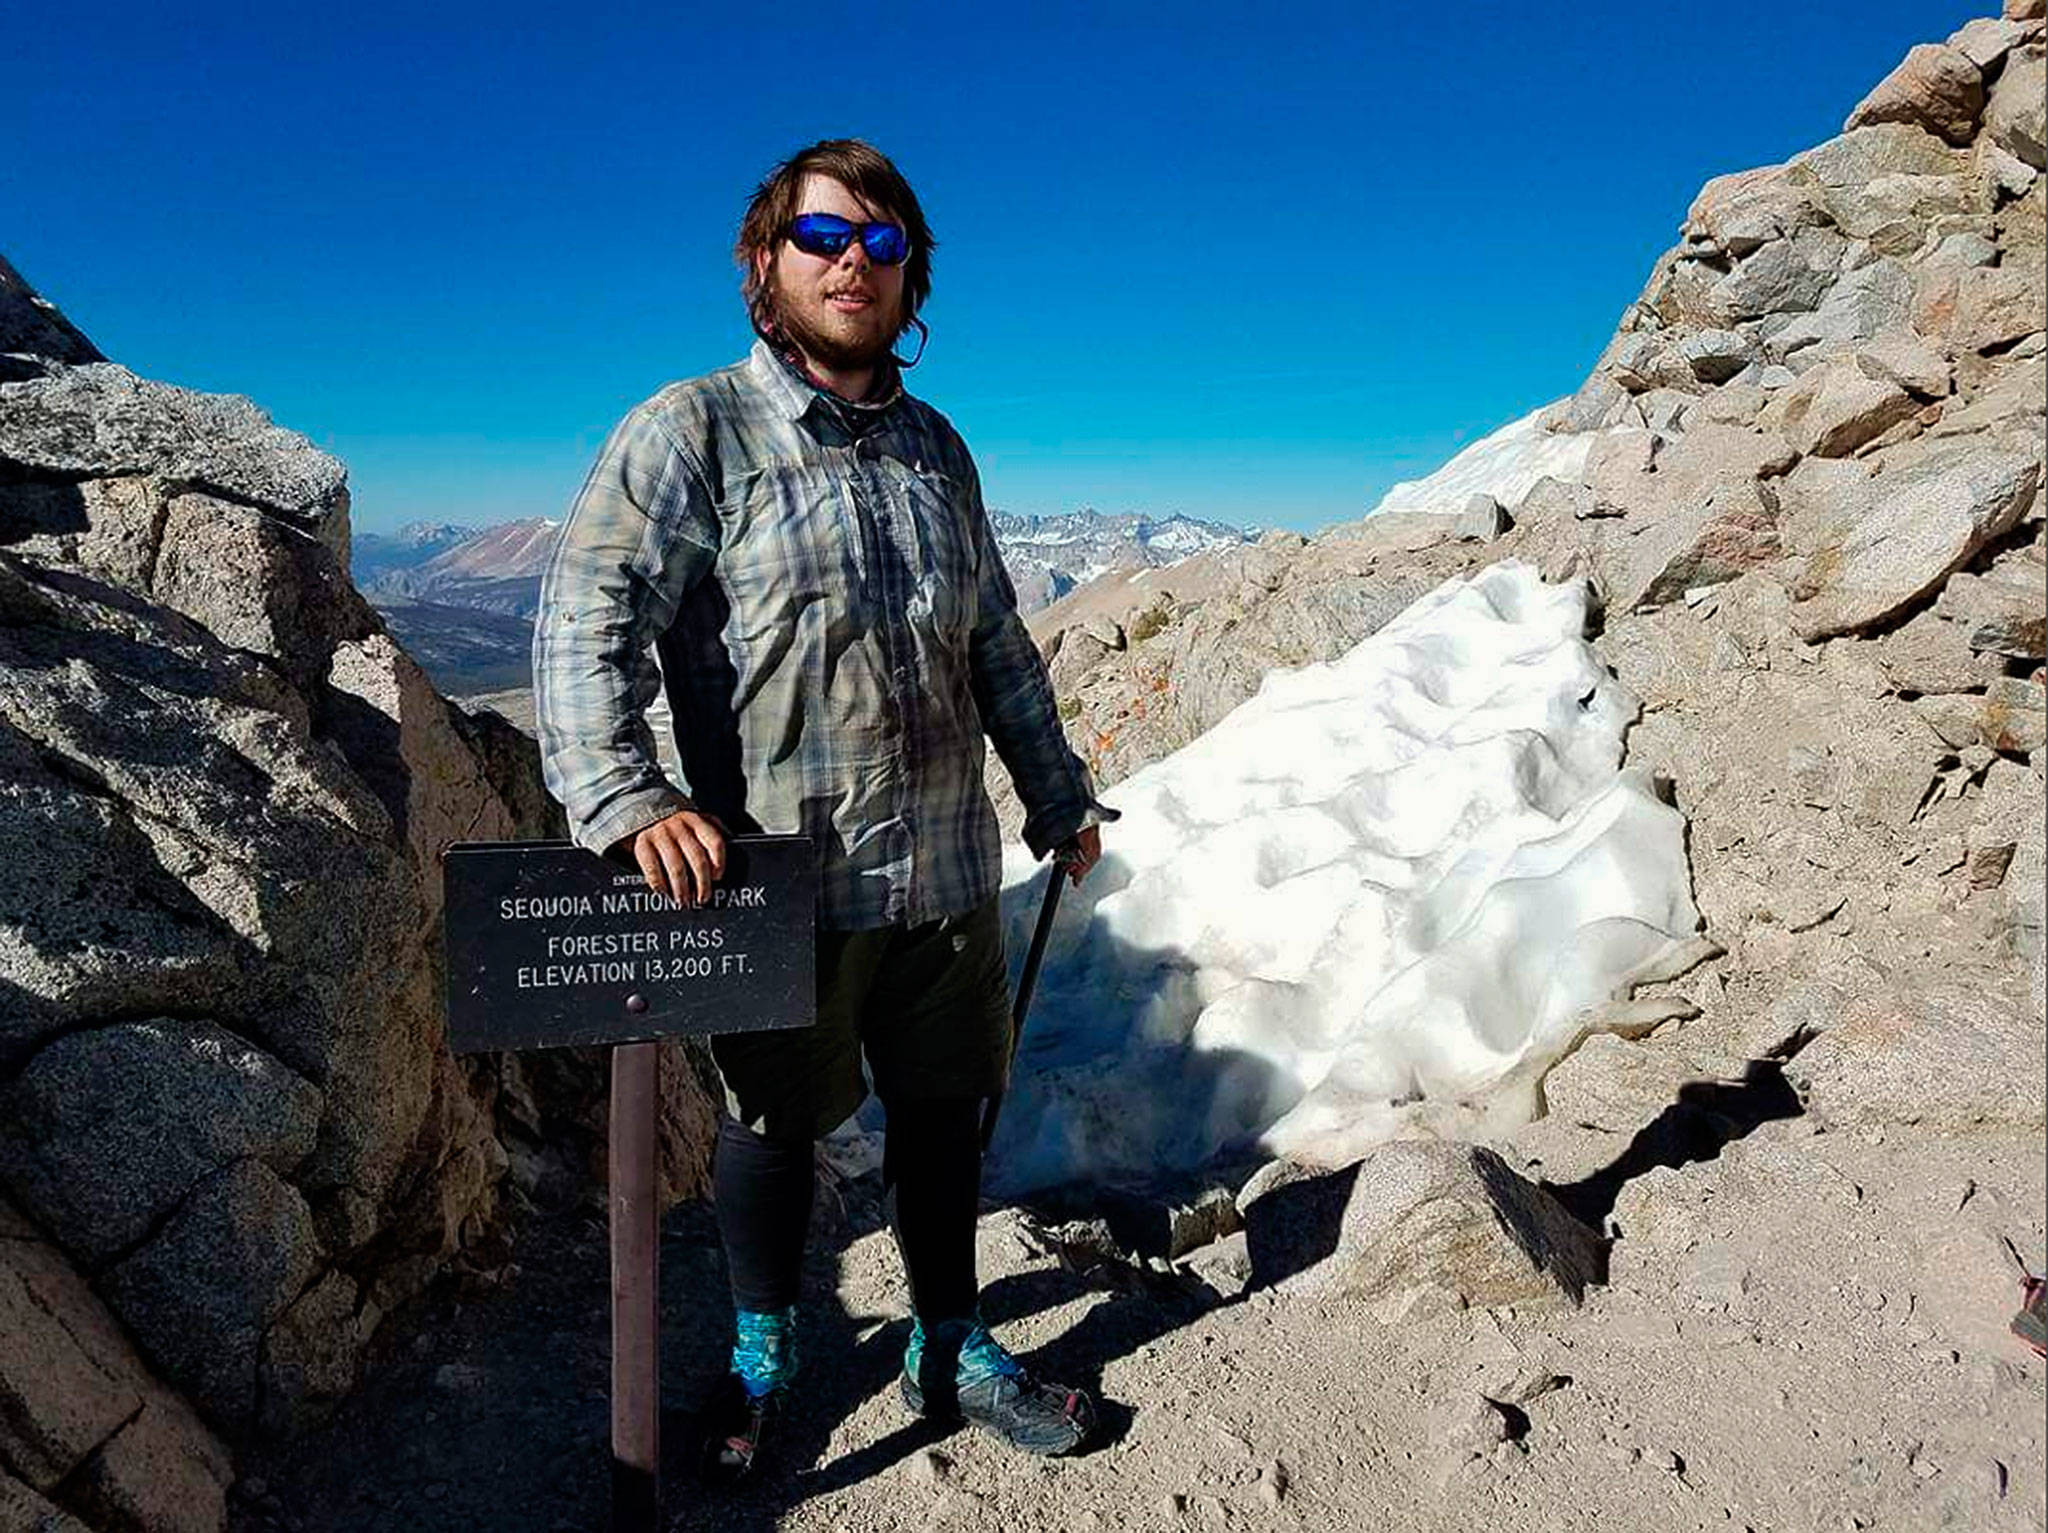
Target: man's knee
<point>930,1133</point>
<point>761,1138</point>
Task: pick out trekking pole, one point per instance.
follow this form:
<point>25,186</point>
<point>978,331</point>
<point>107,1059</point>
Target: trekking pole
<point>1033,956</point>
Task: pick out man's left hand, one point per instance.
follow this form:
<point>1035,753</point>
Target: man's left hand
<point>1080,854</point>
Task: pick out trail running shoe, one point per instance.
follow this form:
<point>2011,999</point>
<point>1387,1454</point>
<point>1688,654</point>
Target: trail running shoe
<point>735,1427</point>
<point>2031,1323</point>
<point>958,1372</point>
<point>764,1362</point>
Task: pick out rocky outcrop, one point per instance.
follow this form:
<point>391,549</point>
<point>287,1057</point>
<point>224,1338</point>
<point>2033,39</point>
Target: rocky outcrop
<point>85,1425</point>
<point>30,327</point>
<point>1918,524</point>
<point>235,1137</point>
<point>1811,503</point>
<point>1862,678</point>
<point>1938,88</point>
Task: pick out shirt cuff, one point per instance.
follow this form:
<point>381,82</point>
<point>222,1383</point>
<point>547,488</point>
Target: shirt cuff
<point>1044,835</point>
<point>630,814</point>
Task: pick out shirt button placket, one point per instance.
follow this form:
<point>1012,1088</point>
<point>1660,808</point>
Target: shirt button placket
<point>894,564</point>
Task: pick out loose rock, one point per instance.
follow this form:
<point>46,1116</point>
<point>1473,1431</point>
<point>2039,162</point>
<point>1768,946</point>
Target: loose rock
<point>1419,1223</point>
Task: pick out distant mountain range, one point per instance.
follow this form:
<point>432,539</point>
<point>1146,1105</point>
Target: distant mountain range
<point>373,553</point>
<point>1047,556</point>
<point>491,569</point>
<point>462,599</point>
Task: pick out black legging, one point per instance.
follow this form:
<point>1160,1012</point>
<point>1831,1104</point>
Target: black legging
<point>931,1159</point>
<point>762,1188</point>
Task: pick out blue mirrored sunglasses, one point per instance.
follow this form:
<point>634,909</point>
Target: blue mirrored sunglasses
<point>828,235</point>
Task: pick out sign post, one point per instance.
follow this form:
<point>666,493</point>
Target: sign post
<point>636,1280</point>
<point>552,946</point>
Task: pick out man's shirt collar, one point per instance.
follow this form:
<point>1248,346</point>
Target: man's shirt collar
<point>795,396</point>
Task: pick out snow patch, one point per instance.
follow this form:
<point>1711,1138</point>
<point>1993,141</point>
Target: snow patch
<point>1378,899</point>
<point>1504,465</point>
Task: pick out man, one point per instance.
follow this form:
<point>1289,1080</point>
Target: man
<point>804,546</point>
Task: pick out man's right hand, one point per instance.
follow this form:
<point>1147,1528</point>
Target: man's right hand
<point>682,856</point>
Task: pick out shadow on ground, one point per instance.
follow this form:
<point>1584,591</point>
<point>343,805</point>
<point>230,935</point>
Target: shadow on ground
<point>491,1409</point>
<point>1708,1116</point>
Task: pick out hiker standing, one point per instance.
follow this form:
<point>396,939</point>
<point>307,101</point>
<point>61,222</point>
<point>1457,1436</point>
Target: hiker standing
<point>803,545</point>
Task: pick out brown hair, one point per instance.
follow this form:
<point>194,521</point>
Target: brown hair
<point>863,170</point>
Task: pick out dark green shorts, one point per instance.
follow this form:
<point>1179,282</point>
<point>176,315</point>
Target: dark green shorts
<point>928,1005</point>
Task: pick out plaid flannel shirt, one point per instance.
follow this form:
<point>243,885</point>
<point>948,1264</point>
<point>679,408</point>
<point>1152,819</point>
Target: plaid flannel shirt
<point>815,586</point>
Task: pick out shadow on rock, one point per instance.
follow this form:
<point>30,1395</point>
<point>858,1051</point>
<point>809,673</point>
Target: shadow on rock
<point>1302,1227</point>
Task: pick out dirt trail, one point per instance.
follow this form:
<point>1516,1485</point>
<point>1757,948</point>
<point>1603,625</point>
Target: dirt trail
<point>1826,1350</point>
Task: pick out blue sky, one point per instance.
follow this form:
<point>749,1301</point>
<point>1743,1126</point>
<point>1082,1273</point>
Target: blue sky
<point>1254,263</point>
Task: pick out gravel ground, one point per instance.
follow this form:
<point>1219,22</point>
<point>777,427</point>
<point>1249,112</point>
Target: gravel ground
<point>1824,1348</point>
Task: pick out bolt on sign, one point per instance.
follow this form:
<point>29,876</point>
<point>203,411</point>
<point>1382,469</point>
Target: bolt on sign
<point>553,946</point>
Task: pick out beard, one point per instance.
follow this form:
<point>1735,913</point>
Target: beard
<point>830,348</point>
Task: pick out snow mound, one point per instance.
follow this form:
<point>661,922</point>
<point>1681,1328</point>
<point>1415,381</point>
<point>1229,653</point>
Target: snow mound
<point>1503,464</point>
<point>1380,898</point>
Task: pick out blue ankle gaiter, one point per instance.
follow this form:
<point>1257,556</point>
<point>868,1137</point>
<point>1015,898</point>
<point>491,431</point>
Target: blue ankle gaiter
<point>980,1355</point>
<point>764,1349</point>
